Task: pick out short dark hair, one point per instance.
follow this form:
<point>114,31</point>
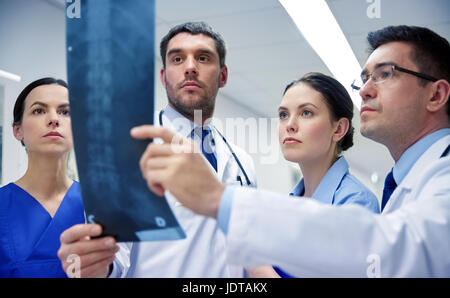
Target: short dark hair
<point>194,28</point>
<point>431,52</point>
<point>19,106</point>
<point>337,99</point>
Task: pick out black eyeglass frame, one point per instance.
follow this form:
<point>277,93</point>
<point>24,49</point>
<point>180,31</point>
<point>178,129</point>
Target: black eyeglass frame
<point>401,69</point>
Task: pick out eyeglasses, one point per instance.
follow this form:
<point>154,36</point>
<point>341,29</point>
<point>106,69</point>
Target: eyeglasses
<point>383,73</point>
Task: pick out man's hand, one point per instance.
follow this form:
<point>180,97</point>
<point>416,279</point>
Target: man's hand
<point>95,255</point>
<point>175,166</point>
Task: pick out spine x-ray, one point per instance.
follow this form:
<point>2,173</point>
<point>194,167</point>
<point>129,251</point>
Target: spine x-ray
<point>110,64</point>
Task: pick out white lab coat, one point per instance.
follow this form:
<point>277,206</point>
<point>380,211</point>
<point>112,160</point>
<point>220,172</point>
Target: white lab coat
<point>305,238</point>
<point>203,252</point>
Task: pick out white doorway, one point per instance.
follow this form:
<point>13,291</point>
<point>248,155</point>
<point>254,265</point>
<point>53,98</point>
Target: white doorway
<point>12,156</point>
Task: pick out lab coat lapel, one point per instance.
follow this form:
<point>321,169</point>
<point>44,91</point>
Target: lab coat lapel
<point>223,155</point>
<point>401,193</point>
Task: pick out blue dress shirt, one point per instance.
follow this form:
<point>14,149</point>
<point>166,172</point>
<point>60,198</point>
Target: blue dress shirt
<point>339,187</point>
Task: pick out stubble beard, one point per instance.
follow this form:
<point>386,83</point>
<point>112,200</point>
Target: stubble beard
<point>188,110</point>
<point>204,104</point>
<point>390,138</point>
<point>367,130</point>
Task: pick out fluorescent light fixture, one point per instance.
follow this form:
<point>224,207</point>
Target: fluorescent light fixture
<point>9,76</point>
<point>318,26</point>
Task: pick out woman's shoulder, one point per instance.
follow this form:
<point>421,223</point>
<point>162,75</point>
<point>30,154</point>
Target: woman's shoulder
<point>75,188</point>
<point>6,190</point>
<point>353,191</point>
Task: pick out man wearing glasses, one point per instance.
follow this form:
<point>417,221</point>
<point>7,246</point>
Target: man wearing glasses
<point>404,108</point>
<point>405,92</point>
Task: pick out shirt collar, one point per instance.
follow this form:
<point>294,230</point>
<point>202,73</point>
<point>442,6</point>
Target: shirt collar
<point>412,154</point>
<point>181,124</point>
<point>329,184</point>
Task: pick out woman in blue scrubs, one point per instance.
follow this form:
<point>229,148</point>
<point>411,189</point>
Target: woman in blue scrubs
<point>38,207</point>
<point>314,129</point>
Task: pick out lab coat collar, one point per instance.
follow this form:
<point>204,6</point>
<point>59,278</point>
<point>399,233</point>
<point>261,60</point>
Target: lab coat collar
<point>409,182</point>
<point>329,183</point>
<point>181,124</point>
<point>433,152</point>
<point>184,126</point>
<point>412,154</point>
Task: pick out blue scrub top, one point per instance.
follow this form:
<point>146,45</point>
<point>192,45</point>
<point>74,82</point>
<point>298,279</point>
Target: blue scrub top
<point>29,236</point>
<point>338,187</point>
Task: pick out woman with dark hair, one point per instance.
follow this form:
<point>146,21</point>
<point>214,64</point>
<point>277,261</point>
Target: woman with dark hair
<point>38,207</point>
<point>315,127</point>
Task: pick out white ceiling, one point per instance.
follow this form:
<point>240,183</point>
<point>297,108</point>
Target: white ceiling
<point>265,49</point>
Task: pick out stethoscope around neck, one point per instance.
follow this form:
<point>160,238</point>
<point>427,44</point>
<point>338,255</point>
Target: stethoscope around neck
<point>238,178</point>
